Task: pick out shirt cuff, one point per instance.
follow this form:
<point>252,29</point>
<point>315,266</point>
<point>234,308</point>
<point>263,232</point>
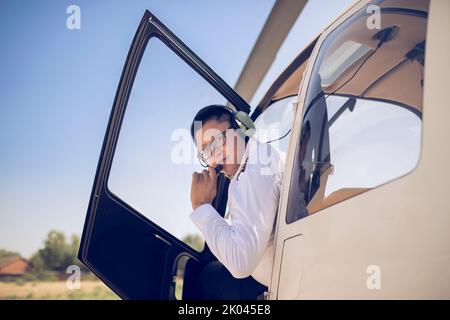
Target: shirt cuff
<point>203,214</point>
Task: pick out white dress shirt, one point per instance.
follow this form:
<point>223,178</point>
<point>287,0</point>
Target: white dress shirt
<point>244,243</point>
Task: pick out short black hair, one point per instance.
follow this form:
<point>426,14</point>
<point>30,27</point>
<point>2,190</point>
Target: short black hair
<point>212,112</point>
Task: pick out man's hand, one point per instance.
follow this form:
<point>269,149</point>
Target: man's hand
<point>203,188</point>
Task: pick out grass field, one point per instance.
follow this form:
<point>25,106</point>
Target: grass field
<point>55,290</point>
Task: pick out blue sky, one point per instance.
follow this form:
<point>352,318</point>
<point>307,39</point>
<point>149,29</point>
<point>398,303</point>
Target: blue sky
<point>57,87</point>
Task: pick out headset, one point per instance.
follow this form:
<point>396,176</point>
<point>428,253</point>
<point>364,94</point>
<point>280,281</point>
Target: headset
<point>241,121</point>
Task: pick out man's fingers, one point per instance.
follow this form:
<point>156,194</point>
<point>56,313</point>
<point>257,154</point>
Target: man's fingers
<point>209,175</point>
<point>205,175</point>
<point>212,173</point>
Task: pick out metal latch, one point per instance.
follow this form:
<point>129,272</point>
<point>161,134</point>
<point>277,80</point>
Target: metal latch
<point>266,295</point>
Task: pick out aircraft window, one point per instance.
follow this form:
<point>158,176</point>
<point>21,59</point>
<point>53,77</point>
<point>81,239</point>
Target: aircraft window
<point>179,277</point>
<point>362,120</point>
<point>275,123</point>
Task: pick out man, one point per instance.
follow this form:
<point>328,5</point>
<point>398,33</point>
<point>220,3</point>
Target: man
<point>243,242</point>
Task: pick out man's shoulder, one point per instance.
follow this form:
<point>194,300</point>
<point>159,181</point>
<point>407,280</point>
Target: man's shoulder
<point>264,159</point>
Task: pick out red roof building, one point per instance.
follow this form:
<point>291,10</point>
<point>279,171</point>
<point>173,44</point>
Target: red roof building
<point>13,266</point>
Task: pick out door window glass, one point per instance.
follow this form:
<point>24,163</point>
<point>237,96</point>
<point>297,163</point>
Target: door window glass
<point>155,156</point>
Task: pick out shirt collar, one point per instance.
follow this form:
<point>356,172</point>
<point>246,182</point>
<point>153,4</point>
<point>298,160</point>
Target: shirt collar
<point>244,159</point>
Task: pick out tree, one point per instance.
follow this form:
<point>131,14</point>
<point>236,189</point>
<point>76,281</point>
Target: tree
<point>38,265</point>
<point>57,254</point>
<point>73,252</point>
<point>195,241</point>
<point>6,253</point>
<point>54,253</point>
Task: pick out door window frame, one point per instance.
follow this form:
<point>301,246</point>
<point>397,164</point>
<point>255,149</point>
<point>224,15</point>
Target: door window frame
<point>101,198</point>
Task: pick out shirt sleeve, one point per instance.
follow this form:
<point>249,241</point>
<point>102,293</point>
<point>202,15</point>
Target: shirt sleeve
<point>240,245</point>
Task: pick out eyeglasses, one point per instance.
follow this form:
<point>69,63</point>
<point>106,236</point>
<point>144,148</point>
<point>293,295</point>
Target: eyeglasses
<point>206,153</point>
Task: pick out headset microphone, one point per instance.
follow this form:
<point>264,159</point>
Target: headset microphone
<point>218,168</point>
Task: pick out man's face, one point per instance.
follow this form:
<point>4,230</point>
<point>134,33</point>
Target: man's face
<point>223,145</point>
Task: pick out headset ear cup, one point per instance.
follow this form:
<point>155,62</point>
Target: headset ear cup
<point>247,124</point>
<point>240,129</point>
<point>235,124</point>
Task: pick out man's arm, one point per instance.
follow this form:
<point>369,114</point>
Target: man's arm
<point>253,201</point>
